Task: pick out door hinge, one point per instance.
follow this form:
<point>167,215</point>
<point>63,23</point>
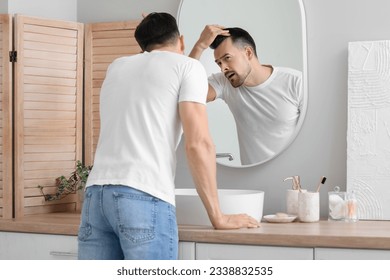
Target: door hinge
<point>13,56</point>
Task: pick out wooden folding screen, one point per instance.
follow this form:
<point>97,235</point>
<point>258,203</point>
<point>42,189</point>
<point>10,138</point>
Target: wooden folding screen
<point>48,110</point>
<point>103,43</point>
<point>47,125</point>
<point>5,118</point>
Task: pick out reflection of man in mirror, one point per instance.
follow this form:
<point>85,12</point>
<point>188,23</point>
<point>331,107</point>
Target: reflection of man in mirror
<point>265,100</point>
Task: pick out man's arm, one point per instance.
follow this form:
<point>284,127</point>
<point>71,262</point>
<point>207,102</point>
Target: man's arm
<point>208,35</point>
<point>206,38</point>
<point>201,159</point>
<point>211,94</point>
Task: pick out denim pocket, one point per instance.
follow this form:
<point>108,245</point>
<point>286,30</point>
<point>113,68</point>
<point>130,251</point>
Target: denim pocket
<point>85,229</point>
<point>84,232</point>
<point>136,214</point>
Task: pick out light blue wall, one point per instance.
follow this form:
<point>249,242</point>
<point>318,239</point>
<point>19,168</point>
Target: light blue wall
<point>3,6</point>
<point>53,9</point>
<point>320,148</point>
<point>115,10</point>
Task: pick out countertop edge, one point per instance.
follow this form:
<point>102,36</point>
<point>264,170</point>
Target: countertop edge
<point>360,235</point>
<point>289,240</point>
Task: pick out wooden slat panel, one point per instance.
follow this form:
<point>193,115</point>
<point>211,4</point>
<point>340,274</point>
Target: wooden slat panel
<point>48,104</point>
<point>49,165</point>
<point>48,157</point>
<point>45,131</point>
<point>34,191</point>
<point>47,174</point>
<point>45,209</point>
<point>46,72</point>
<point>50,64</point>
<point>108,58</point>
<point>50,47</point>
<point>49,97</point>
<point>33,184</point>
<point>100,66</point>
<point>38,201</point>
<point>5,118</point>
<point>49,81</point>
<point>127,41</point>
<point>51,115</point>
<point>49,123</point>
<point>49,149</point>
<point>46,30</point>
<point>118,27</point>
<point>125,50</point>
<point>52,56</point>
<point>58,140</point>
<point>104,42</point>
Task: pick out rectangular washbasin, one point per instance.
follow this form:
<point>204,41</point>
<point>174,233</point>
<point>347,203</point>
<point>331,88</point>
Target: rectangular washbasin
<point>190,209</point>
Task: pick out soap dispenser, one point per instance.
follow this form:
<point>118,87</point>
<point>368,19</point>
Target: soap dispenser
<point>296,182</point>
<point>292,195</point>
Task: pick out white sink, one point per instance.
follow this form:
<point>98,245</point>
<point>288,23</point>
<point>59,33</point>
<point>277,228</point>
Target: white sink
<point>190,209</point>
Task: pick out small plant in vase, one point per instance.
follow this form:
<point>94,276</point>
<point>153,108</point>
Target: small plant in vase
<point>71,185</point>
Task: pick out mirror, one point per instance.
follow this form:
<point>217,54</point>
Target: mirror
<point>279,30</point>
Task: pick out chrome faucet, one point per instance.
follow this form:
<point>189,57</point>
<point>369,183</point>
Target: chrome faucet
<point>222,155</point>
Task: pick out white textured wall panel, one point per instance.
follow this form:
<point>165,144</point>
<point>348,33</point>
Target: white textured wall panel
<point>368,137</point>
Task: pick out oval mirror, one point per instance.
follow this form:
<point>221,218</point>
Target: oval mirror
<point>279,30</point>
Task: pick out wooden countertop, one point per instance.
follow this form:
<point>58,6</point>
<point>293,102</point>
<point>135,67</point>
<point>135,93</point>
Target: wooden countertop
<point>363,234</point>
<point>53,223</point>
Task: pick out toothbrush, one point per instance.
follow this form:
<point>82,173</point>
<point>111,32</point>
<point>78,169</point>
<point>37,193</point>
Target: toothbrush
<point>322,181</point>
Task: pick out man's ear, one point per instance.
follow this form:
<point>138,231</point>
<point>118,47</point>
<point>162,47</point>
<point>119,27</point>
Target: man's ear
<point>182,45</point>
<point>249,52</point>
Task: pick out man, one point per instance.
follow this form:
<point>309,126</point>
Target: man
<point>145,101</point>
<point>265,101</point>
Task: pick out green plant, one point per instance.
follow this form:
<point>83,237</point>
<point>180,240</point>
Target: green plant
<point>65,186</point>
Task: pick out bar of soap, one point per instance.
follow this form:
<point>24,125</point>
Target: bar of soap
<point>281,215</point>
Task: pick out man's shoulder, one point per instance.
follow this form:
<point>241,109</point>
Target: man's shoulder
<point>289,71</point>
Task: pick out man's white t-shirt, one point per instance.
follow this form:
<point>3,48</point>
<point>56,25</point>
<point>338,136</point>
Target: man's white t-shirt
<point>140,127</point>
<point>266,115</point>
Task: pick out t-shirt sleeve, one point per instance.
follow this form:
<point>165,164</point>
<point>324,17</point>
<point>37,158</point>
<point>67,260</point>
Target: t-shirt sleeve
<point>217,82</point>
<point>299,91</point>
<point>194,84</point>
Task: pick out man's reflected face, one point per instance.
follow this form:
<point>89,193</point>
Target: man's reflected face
<point>233,61</point>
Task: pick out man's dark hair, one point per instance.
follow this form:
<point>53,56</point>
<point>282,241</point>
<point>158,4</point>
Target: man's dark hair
<point>156,29</point>
<point>238,36</point>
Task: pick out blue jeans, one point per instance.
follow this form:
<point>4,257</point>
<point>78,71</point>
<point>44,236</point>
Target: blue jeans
<point>119,222</point>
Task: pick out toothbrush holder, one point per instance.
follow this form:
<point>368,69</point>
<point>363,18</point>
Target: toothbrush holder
<point>309,206</point>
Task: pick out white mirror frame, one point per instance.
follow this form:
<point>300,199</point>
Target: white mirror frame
<point>208,60</point>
